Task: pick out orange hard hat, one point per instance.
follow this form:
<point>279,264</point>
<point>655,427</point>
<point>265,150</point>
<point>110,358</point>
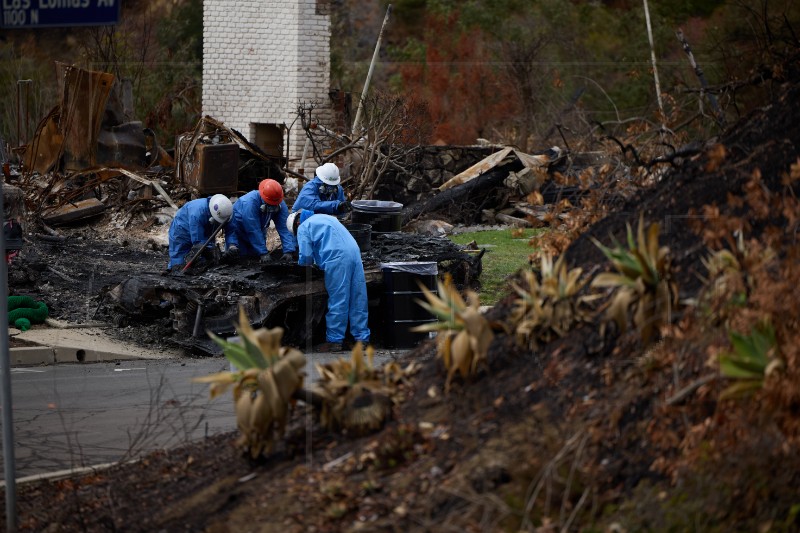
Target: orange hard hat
<point>271,191</point>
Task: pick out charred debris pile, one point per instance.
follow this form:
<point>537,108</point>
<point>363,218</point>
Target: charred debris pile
<point>95,192</point>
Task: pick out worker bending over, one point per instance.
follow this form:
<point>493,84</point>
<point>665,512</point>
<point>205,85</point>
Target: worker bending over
<point>193,224</point>
<point>325,242</point>
<point>323,194</point>
<point>246,234</point>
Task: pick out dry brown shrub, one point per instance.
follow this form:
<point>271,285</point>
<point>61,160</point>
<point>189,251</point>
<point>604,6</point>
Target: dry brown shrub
<point>758,196</point>
<point>714,226</point>
<point>716,156</point>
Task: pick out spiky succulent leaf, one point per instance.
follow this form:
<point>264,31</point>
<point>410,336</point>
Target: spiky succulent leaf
<point>741,389</point>
<point>752,359</point>
<point>461,355</point>
<point>260,356</point>
<point>238,354</point>
<point>642,282</point>
<point>610,279</point>
<point>732,366</point>
<point>220,382</point>
<point>355,397</point>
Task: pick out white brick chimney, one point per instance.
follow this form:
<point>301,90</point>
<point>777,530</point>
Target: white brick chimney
<point>260,60</point>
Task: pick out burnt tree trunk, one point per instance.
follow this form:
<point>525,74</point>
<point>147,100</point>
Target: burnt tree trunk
<point>459,193</point>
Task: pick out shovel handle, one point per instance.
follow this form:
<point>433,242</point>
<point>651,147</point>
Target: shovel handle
<point>198,252</point>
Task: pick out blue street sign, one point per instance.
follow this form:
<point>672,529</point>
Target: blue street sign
<point>52,13</point>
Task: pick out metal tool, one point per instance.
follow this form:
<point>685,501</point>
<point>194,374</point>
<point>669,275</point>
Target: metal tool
<point>198,252</point>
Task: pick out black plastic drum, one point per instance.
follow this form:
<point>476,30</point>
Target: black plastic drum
<point>384,217</point>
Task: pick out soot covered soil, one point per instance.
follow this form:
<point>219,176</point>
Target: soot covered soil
<point>569,436</point>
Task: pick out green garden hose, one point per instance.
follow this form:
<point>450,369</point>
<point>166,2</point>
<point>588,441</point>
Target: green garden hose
<point>24,310</point>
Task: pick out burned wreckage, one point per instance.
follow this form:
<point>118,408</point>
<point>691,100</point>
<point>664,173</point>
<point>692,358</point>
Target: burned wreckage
<point>88,161</point>
<point>290,296</point>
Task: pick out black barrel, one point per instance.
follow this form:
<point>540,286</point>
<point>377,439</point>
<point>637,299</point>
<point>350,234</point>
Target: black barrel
<point>383,216</point>
<point>401,310</point>
<point>362,233</point>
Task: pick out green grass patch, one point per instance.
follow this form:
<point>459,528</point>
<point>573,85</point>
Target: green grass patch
<point>505,255</point>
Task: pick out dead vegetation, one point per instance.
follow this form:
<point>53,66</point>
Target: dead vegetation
<point>391,131</point>
<point>686,421</point>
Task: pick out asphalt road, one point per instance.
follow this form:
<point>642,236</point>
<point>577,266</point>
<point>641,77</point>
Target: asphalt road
<point>78,415</point>
<point>71,416</point>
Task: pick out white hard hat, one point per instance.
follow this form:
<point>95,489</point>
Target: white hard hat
<point>329,174</point>
<point>290,220</point>
<point>220,207</point>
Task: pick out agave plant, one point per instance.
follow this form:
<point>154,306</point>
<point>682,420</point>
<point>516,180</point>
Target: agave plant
<point>729,280</point>
<point>724,288</point>
<point>355,396</point>
<point>267,376</point>
<point>643,282</point>
<point>754,358</point>
<point>464,333</point>
<point>549,308</point>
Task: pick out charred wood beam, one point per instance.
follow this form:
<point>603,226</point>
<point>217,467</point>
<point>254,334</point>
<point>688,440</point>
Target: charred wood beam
<point>295,174</point>
<point>513,221</point>
<point>452,196</point>
<point>153,183</point>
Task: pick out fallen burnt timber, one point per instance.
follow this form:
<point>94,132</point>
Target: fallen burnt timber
<point>454,198</point>
<point>495,182</point>
<point>277,294</point>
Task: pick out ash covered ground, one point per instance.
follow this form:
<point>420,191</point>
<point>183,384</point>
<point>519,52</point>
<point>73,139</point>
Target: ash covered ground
<point>75,274</point>
<point>72,273</point>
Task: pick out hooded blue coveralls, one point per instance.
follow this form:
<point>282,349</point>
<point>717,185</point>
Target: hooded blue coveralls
<point>310,199</point>
<point>192,225</point>
<point>247,228</point>
<point>324,241</point>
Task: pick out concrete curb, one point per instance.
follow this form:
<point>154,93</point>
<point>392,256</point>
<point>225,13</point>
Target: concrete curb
<point>32,355</point>
<point>79,345</point>
<point>63,474</point>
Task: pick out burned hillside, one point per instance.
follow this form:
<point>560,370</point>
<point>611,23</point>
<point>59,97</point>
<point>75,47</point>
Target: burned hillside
<point>596,428</point>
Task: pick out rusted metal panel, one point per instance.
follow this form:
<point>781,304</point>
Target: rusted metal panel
<point>208,160</point>
<point>43,151</point>
<point>215,168</point>
<point>83,103</point>
<point>83,131</point>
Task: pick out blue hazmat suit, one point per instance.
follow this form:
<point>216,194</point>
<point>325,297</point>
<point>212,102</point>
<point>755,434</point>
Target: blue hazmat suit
<point>324,241</point>
<point>311,200</point>
<point>247,228</point>
<point>192,225</point>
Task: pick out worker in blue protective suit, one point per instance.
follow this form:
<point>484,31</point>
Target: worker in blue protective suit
<point>246,234</point>
<point>193,224</point>
<point>323,194</point>
<point>323,241</point>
